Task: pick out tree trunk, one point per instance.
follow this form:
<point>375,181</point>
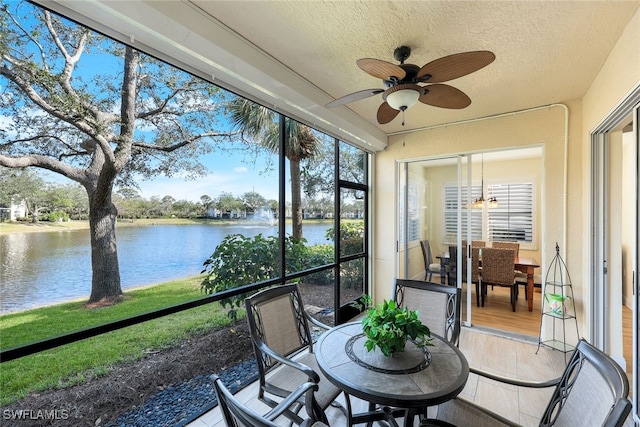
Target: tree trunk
<point>105,283</point>
<point>296,199</point>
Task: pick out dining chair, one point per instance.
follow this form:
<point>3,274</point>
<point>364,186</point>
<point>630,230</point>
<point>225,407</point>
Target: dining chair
<point>430,267</point>
<point>593,390</point>
<point>476,271</point>
<point>498,268</point>
<point>452,267</point>
<point>520,277</point>
<point>283,345</point>
<point>439,306</point>
<point>236,414</point>
<point>507,245</point>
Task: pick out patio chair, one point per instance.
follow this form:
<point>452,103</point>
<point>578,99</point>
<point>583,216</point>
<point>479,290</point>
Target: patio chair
<point>283,345</point>
<point>430,267</point>
<point>236,414</point>
<point>498,268</point>
<point>593,389</point>
<point>439,306</point>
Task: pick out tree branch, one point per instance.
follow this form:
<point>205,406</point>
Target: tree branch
<point>187,141</point>
<point>44,162</point>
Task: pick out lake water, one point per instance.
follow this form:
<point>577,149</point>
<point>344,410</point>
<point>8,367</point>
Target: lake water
<point>39,269</point>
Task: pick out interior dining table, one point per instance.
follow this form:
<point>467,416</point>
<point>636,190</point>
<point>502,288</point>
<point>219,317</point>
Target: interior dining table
<point>526,265</point>
<point>401,385</point>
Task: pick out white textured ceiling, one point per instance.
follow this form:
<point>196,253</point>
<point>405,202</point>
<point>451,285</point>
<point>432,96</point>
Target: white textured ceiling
<point>546,51</point>
<point>300,55</point>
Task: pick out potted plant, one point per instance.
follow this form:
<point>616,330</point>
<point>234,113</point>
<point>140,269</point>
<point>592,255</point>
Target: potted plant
<point>388,327</point>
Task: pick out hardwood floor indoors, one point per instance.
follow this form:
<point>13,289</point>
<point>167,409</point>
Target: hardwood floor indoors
<point>497,314</point>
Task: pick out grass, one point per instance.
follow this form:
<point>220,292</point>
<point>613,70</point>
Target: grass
<point>74,363</point>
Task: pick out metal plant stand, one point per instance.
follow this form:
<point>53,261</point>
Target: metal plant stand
<point>558,306</point>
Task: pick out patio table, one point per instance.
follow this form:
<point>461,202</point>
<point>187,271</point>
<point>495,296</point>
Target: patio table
<point>401,385</point>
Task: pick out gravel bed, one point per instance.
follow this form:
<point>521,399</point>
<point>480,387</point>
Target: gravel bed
<point>181,403</point>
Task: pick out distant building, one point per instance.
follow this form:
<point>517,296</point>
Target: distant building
<point>14,211</point>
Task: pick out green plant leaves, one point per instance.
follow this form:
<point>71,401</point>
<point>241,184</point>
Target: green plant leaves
<point>388,327</point>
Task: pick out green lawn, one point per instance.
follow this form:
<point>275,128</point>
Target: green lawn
<point>80,361</point>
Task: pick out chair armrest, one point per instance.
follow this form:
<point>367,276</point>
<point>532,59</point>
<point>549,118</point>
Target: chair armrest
<point>313,376</point>
<point>284,405</point>
<point>316,322</point>
<point>530,384</point>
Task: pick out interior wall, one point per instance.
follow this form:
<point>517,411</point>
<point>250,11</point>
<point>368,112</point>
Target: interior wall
<point>544,127</point>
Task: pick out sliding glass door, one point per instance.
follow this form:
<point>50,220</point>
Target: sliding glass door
<point>451,202</point>
<point>435,214</point>
<point>615,231</point>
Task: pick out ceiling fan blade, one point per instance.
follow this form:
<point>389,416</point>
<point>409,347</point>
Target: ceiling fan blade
<point>355,96</point>
<point>386,113</point>
<point>381,69</point>
<point>444,96</point>
<point>454,66</point>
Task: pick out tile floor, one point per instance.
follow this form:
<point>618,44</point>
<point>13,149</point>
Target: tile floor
<point>513,356</point>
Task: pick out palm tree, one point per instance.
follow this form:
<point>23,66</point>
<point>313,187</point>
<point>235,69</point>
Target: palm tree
<point>261,125</point>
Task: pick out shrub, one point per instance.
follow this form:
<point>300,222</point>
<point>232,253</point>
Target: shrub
<point>56,216</point>
<point>239,260</point>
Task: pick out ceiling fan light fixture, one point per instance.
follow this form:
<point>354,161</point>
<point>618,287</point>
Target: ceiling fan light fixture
<point>403,96</point>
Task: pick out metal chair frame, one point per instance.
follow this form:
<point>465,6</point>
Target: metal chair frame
<point>575,399</point>
<point>279,351</point>
<point>236,414</point>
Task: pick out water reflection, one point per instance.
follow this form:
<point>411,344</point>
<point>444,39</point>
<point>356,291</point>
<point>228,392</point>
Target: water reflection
<point>45,268</point>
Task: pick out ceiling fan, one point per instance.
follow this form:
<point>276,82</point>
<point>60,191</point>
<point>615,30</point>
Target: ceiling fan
<point>402,82</point>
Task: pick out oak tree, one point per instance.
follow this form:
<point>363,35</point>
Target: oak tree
<point>99,113</point>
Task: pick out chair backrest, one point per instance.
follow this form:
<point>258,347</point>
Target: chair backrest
<point>498,266</point>
<point>276,318</point>
<point>507,245</point>
<point>236,414</point>
<point>438,305</point>
<point>475,264</point>
<point>478,244</point>
<point>593,387</point>
<point>426,253</point>
<point>453,259</point>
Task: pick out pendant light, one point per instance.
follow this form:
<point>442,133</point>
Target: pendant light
<point>479,202</point>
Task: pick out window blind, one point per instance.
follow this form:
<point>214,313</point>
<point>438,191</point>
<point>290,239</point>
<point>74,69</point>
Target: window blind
<point>513,218</point>
<point>451,214</point>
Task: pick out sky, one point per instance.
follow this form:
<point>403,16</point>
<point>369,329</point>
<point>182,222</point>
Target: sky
<point>228,171</point>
